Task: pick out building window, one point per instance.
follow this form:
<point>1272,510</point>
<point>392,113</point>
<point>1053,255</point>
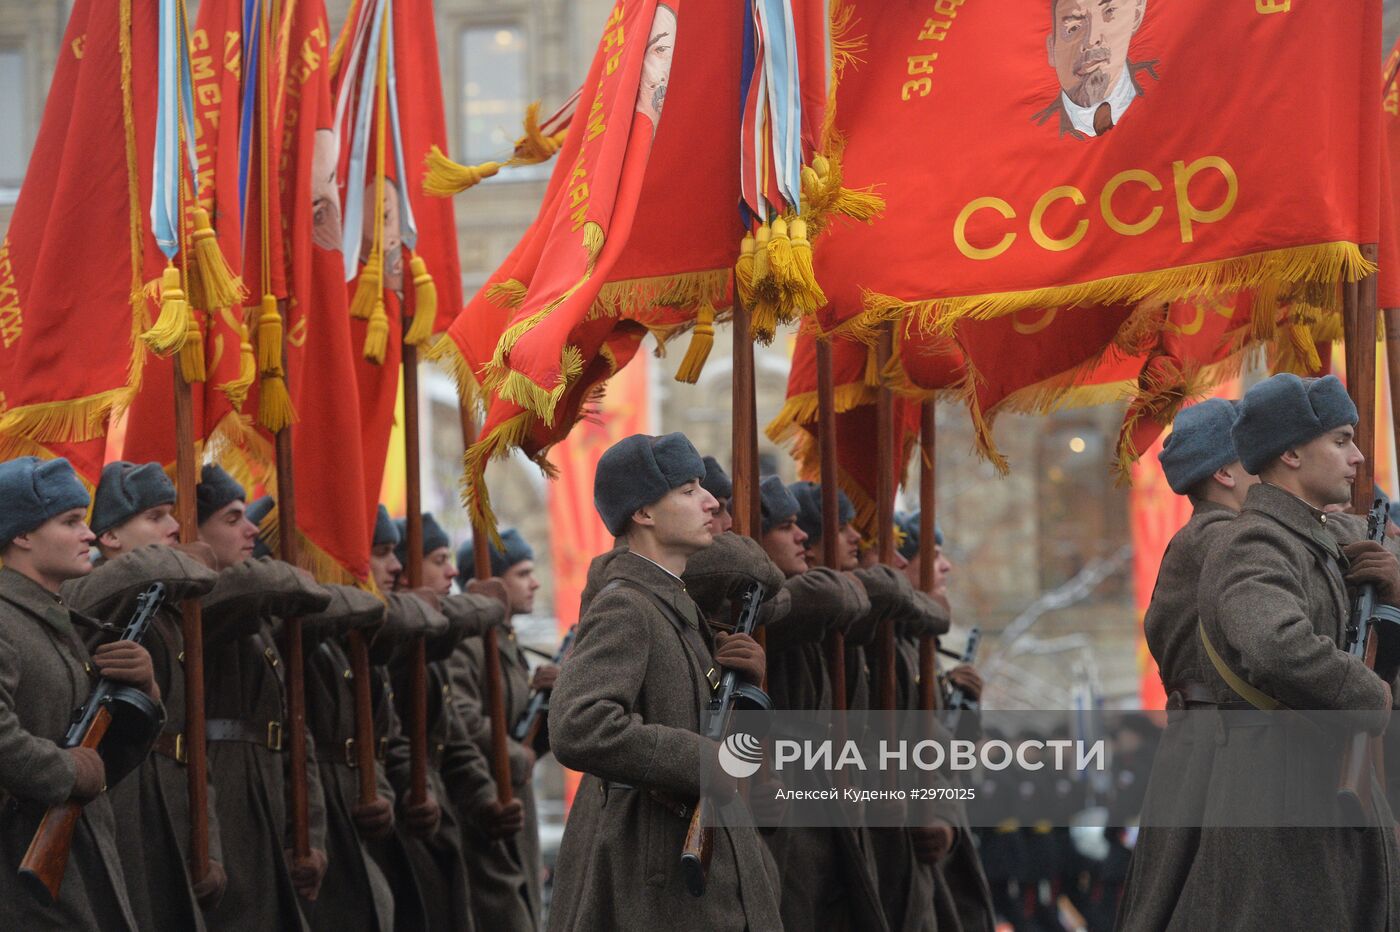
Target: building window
<point>14,144</point>
<point>494,94</point>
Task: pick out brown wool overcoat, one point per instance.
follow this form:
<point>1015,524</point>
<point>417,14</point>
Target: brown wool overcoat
<point>626,711</point>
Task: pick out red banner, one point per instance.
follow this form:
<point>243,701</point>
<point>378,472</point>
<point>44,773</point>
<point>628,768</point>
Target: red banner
<point>76,255</point>
<point>1091,174</point>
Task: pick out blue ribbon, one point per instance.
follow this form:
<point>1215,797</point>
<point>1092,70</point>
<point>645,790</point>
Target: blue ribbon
<point>252,28</point>
<point>165,175</point>
<point>355,178</point>
<point>408,227</point>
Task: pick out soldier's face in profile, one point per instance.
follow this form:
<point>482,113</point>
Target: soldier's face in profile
<point>942,569</point>
<point>438,571</point>
<point>848,550</point>
<point>1088,45</point>
<point>723,519</point>
<point>786,546</point>
<point>153,526</point>
<point>682,518</point>
<point>521,586</point>
<point>384,566</point>
<point>60,547</point>
<point>1327,467</point>
<point>230,534</point>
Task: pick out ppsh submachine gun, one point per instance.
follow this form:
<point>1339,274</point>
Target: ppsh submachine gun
<point>731,694</point>
<point>118,721</point>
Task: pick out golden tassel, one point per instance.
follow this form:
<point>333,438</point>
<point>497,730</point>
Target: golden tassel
<point>872,367</point>
<point>702,339</point>
<point>535,147</point>
<point>269,335</point>
<point>806,290</point>
<point>367,288</point>
<point>761,268</point>
<point>274,404</point>
<point>743,270</point>
<point>219,287</point>
<point>445,177</point>
<point>780,252</point>
<point>236,390</point>
<point>192,353</point>
<point>172,327</point>
<point>377,334</point>
<point>424,304</point>
<point>1301,337</point>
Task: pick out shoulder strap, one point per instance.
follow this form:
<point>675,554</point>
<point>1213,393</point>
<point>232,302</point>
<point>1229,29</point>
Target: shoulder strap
<point>689,635</point>
<point>1255,697</point>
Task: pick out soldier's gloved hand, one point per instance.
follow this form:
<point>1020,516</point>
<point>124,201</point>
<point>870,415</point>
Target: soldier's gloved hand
<point>209,889</point>
<point>741,653</point>
<point>307,873</point>
<point>503,821</point>
<point>422,818</point>
<point>965,677</point>
<point>374,820</point>
<point>91,778</point>
<point>493,588</point>
<point>1369,562</point>
<point>932,843</point>
<point>127,662</point>
<point>544,676</point>
<point>198,550</point>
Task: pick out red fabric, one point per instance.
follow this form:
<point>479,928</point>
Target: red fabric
<point>951,108</point>
<point>1388,285</point>
<point>65,265</point>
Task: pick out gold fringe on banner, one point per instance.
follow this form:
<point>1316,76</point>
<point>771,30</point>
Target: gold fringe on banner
<point>497,444</point>
<point>508,294</point>
<point>1298,265</point>
<point>445,353</point>
<point>702,339</point>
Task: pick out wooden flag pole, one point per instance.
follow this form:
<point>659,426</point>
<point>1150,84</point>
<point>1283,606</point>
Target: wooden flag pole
<point>928,644</point>
<point>292,647</point>
<point>192,630</point>
<point>831,512</point>
<point>745,442</point>
<point>413,575</point>
<point>884,512</point>
<point>1392,360</point>
<point>491,644</point>
<point>1359,321</point>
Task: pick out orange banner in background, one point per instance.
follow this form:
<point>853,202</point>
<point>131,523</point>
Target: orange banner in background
<point>577,534</point>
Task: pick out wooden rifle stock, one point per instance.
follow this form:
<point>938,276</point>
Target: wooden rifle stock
<point>46,860</point>
<point>697,850</point>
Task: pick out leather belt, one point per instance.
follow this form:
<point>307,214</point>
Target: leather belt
<point>171,744</point>
<point>267,734</point>
<point>346,752</point>
<point>1190,695</point>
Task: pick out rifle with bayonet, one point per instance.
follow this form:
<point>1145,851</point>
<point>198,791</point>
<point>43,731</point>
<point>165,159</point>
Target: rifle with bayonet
<point>527,729</point>
<point>958,699</point>
<point>117,721</point>
<point>731,693</point>
<point>1368,618</point>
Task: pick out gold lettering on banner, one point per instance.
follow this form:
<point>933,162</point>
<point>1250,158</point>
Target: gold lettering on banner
<point>595,126</point>
<point>11,316</point>
<point>934,29</point>
<point>79,46</point>
<point>1189,213</point>
<point>296,336</point>
<point>613,40</point>
<point>1265,7</point>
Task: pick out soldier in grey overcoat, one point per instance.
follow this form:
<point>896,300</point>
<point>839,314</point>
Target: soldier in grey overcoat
<point>1200,462</point>
<point>504,872</point>
<point>626,711</point>
<point>137,537</point>
<point>1273,603</point>
<point>46,673</point>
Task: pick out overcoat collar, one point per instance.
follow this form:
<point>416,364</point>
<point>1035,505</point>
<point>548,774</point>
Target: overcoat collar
<point>24,593</point>
<point>1293,513</point>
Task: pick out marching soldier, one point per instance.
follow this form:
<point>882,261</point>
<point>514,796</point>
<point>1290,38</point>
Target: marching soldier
<point>1200,462</point>
<point>627,712</point>
<point>718,484</point>
<point>962,896</point>
<point>45,673</point>
<point>504,872</point>
<point>828,881</point>
<point>1273,606</point>
<point>245,701</point>
<point>137,536</point>
<point>459,776</point>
